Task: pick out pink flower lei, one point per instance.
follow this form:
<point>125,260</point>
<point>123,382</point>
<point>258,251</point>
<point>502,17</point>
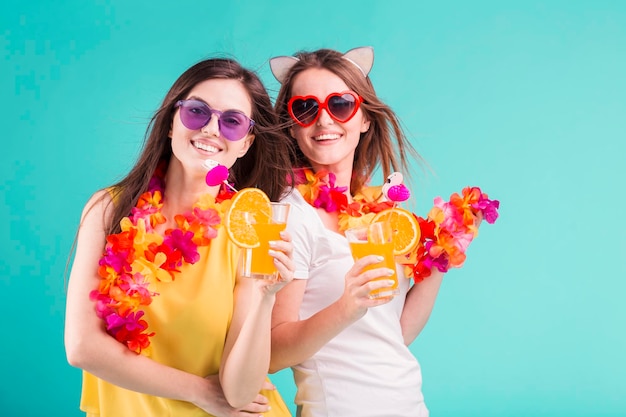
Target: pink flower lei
<point>137,257</point>
<point>446,232</point>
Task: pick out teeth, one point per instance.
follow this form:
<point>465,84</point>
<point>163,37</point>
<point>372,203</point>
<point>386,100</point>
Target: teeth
<point>205,147</point>
<point>329,136</point>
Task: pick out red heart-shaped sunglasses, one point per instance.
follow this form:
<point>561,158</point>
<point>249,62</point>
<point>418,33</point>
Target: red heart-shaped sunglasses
<point>305,110</point>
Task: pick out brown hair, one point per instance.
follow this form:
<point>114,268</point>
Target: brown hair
<point>376,146</point>
<point>266,165</point>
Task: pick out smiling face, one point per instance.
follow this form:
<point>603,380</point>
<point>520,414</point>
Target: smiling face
<point>190,148</point>
<point>327,144</point>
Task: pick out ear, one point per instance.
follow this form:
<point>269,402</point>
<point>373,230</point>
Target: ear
<point>365,125</point>
<point>281,65</point>
<point>362,57</point>
<point>246,145</point>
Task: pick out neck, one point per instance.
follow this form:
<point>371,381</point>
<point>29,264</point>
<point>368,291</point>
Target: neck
<point>183,191</point>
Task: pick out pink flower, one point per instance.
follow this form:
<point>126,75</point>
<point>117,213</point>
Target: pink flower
<point>183,242</point>
<point>488,207</point>
<point>210,219</point>
<point>330,197</point>
<point>114,321</point>
<point>117,260</point>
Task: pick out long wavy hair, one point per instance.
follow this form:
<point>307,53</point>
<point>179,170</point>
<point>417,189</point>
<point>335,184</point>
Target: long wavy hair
<point>266,165</point>
<point>384,144</point>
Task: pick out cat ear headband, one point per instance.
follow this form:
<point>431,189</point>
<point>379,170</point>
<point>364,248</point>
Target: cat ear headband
<point>362,57</point>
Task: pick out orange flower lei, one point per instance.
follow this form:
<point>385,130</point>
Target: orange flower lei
<point>137,257</point>
<point>446,232</point>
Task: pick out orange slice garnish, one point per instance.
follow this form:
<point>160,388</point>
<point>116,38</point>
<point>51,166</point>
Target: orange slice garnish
<point>247,204</point>
<point>406,229</point>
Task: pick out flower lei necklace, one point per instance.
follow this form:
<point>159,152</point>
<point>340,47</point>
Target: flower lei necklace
<point>446,232</point>
<point>138,257</point>
<point>319,190</point>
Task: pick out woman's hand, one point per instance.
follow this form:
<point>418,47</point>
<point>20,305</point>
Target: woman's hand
<point>359,284</point>
<point>215,403</point>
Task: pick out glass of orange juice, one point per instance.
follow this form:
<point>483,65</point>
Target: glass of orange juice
<point>375,239</point>
<point>257,262</point>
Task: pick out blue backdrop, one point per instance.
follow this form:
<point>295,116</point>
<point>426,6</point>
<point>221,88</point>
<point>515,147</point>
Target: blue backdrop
<point>526,99</point>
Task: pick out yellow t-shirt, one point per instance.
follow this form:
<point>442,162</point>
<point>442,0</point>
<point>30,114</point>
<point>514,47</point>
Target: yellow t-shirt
<point>190,317</point>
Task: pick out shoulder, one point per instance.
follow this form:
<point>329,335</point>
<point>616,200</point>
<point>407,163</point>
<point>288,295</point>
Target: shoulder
<point>303,222</point>
<point>99,205</point>
<point>297,203</point>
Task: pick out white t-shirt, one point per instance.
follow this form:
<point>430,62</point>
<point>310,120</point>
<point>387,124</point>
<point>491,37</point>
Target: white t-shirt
<point>366,370</point>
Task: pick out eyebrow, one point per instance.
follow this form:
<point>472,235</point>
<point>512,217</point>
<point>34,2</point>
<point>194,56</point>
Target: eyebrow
<point>197,99</point>
<point>202,101</point>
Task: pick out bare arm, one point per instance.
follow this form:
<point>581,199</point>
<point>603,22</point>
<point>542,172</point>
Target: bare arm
<point>246,356</point>
<point>295,340</point>
<point>90,347</point>
<point>419,303</point>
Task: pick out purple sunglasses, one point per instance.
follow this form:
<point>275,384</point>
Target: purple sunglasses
<point>233,124</point>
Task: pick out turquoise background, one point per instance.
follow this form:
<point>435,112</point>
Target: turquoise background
<point>526,99</point>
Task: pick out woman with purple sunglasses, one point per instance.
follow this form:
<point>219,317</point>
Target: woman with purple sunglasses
<point>348,349</point>
<point>157,317</point>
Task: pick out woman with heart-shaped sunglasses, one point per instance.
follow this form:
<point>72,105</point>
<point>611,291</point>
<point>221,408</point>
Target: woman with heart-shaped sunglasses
<point>348,350</point>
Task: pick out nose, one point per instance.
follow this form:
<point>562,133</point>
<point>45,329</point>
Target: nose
<point>212,128</point>
<point>324,119</point>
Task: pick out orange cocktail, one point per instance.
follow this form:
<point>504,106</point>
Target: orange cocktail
<point>262,263</point>
<point>375,239</point>
<point>256,262</point>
